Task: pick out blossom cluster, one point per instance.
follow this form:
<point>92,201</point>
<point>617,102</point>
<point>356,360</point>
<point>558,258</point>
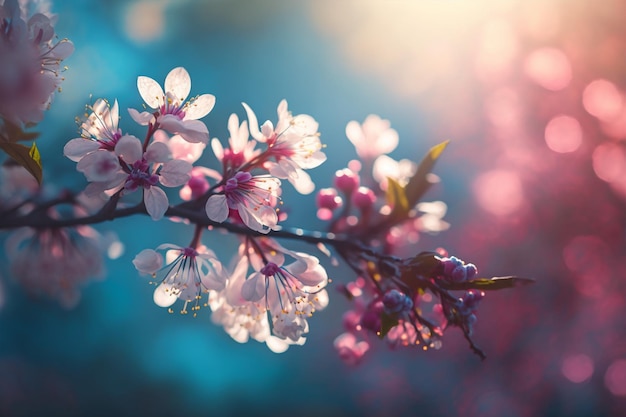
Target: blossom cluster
<point>30,69</point>
<point>267,292</point>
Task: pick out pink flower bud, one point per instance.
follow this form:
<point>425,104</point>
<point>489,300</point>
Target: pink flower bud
<point>327,198</point>
<point>364,198</point>
<point>346,181</point>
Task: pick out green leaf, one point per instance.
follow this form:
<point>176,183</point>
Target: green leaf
<point>27,157</point>
<point>396,198</point>
<point>419,183</point>
<point>387,322</point>
<point>488,284</point>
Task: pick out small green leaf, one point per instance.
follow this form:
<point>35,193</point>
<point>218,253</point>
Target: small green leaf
<point>419,183</point>
<point>396,198</point>
<point>488,284</point>
<point>387,322</point>
<point>27,157</point>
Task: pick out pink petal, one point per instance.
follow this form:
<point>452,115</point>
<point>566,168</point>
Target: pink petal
<point>99,166</point>
<point>191,130</point>
<point>129,149</point>
<point>157,152</point>
<point>175,173</point>
<point>77,148</point>
<point>178,83</point>
<point>217,208</point>
<point>148,261</point>
<point>150,91</point>
<point>142,118</point>
<point>253,289</point>
<point>156,202</point>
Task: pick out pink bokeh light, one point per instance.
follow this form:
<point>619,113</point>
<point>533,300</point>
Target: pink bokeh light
<point>499,192</point>
<point>550,68</point>
<point>615,378</point>
<point>563,134</point>
<point>577,368</point>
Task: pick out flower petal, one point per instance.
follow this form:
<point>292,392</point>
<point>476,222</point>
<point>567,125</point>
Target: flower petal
<point>142,118</point>
<point>178,83</point>
<point>175,173</point>
<point>217,208</point>
<point>148,261</point>
<point>157,152</point>
<point>253,289</point>
<point>77,148</point>
<point>129,149</point>
<point>254,124</point>
<point>164,295</point>
<point>99,166</point>
<point>156,202</point>
<point>199,107</point>
<point>150,91</point>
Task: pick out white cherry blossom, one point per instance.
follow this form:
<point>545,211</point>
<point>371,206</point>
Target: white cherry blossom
<point>187,274</point>
<point>294,145</point>
<point>172,112</point>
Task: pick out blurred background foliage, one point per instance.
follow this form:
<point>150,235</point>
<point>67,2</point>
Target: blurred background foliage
<point>531,95</point>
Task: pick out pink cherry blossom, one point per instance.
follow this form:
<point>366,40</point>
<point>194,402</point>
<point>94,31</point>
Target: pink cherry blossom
<point>294,145</point>
<point>99,131</point>
<point>56,263</point>
<point>173,113</point>
<point>272,304</point>
<point>253,197</point>
<point>187,274</point>
<point>129,169</point>
<point>241,148</point>
<point>373,138</point>
<point>30,70</point>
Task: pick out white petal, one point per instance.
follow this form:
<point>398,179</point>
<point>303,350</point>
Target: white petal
<point>217,208</point>
<point>156,202</point>
<point>178,83</point>
<point>254,124</point>
<point>218,149</point>
<point>148,261</point>
<point>276,345</point>
<point>164,295</point>
<point>175,173</point>
<point>150,91</point>
<point>313,277</point>
<point>75,149</point>
<point>158,152</point>
<point>142,118</point>
<point>129,149</point>
<point>200,107</point>
<point>302,182</point>
<point>354,132</point>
